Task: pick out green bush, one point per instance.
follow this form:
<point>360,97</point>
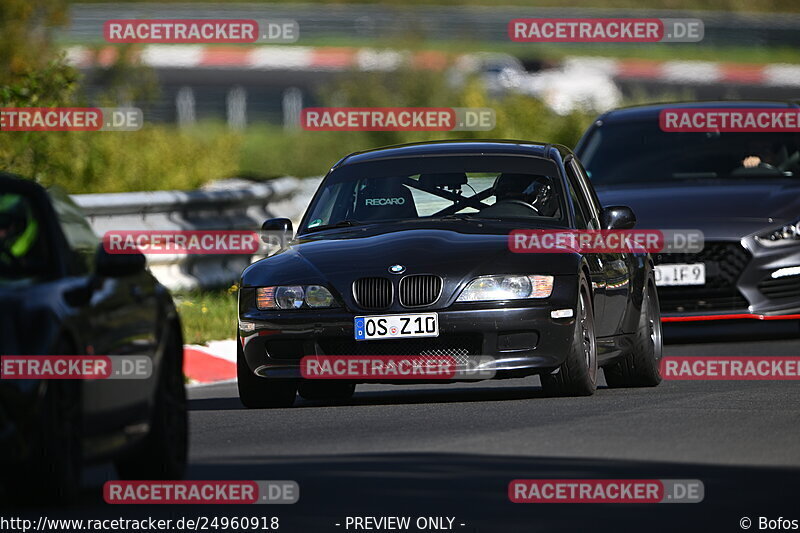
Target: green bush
<point>167,157</point>
<point>270,151</point>
<point>155,157</point>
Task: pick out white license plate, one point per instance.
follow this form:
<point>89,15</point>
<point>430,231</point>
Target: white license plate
<point>396,326</point>
<point>669,275</point>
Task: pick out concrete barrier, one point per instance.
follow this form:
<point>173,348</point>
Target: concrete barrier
<point>224,205</point>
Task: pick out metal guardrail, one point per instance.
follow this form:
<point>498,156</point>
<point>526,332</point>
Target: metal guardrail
<point>432,22</point>
<point>230,205</point>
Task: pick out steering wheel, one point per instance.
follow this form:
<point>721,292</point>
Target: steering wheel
<point>791,160</point>
<point>520,203</point>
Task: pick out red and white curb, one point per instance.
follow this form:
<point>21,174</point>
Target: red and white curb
<point>695,72</point>
<point>210,363</point>
<point>260,57</point>
<point>306,58</point>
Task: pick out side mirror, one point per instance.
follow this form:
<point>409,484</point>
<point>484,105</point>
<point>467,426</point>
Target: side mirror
<point>617,217</point>
<point>276,229</point>
<point>118,265</point>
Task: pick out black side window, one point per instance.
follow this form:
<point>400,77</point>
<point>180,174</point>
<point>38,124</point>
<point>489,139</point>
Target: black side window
<point>581,209</point>
<point>81,239</point>
<point>581,196</point>
<point>587,184</point>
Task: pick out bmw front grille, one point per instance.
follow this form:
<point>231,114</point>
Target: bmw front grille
<point>377,293</point>
<point>420,290</point>
<point>373,293</point>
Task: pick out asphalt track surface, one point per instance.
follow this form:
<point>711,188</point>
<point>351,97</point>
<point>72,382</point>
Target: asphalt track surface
<point>451,450</point>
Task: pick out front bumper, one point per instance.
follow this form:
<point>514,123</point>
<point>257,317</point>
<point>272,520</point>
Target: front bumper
<point>522,339</point>
<point>740,284</point>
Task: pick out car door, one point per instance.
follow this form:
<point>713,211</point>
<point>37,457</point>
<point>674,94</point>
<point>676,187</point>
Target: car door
<point>583,221</point>
<point>615,266</point>
<point>122,317</point>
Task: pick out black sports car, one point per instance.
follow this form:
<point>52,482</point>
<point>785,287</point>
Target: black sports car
<point>741,189</point>
<point>62,294</point>
<point>422,230</point>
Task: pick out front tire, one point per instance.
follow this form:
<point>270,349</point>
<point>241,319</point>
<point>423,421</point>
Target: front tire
<point>260,393</point>
<point>52,471</point>
<point>640,366</point>
<point>163,453</point>
<point>577,375</point>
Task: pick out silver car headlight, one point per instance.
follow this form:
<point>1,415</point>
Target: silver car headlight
<point>788,234</point>
<point>507,287</point>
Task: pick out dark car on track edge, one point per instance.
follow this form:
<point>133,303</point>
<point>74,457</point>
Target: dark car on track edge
<point>423,229</point>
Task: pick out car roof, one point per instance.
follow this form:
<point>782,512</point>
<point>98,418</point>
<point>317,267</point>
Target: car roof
<point>10,177</point>
<point>651,111</point>
<point>455,147</point>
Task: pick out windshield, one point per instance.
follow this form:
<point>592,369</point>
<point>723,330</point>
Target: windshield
<point>635,152</point>
<point>524,188</point>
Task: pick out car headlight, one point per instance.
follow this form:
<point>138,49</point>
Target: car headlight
<point>318,296</point>
<point>788,234</point>
<point>509,287</point>
<point>294,297</point>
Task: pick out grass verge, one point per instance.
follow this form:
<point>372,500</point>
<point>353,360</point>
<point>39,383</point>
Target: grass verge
<point>207,315</point>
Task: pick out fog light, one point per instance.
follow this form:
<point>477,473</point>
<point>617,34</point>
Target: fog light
<point>561,313</point>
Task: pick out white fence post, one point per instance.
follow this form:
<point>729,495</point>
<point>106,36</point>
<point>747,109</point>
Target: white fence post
<point>184,105</point>
<point>292,106</point>
<point>237,108</point>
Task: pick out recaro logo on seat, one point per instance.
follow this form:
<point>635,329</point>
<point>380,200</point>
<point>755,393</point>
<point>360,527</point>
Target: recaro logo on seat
<point>385,201</point>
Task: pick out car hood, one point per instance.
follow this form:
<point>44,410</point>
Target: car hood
<point>729,210</point>
<point>455,254</point>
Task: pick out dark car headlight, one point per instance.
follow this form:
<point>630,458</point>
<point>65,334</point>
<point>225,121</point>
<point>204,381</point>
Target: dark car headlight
<point>788,234</point>
<point>294,297</point>
<point>508,287</point>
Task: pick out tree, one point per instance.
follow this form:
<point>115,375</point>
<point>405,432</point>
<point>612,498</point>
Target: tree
<point>26,36</point>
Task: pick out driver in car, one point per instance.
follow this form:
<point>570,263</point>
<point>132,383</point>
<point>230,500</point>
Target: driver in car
<point>535,191</point>
<point>18,230</point>
<point>766,155</point>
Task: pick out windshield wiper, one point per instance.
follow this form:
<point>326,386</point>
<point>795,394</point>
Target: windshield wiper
<point>453,216</point>
<point>340,224</point>
<point>466,216</point>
